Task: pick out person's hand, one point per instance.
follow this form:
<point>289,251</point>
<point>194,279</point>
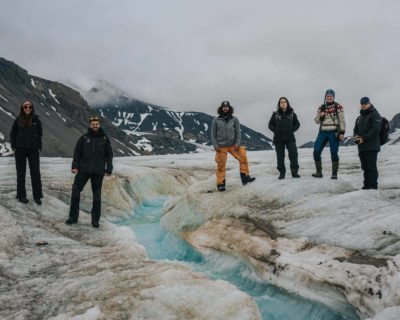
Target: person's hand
<point>108,174</point>
<point>322,113</point>
<point>341,137</point>
<point>237,147</point>
<point>74,171</point>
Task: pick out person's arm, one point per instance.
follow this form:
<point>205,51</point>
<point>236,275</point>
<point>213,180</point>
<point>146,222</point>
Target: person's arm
<point>214,140</point>
<point>109,157</point>
<point>40,134</point>
<point>77,154</point>
<point>296,122</point>
<point>355,130</point>
<point>237,132</point>
<point>320,116</point>
<point>342,122</point>
<point>272,123</point>
<point>13,135</point>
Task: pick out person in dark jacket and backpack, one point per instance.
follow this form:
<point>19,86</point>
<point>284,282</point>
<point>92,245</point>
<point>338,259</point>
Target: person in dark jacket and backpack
<point>283,124</point>
<point>366,136</point>
<point>26,142</point>
<point>92,160</point>
<point>225,137</point>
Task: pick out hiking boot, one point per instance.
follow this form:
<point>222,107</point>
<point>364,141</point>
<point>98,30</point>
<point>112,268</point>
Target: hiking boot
<point>335,168</point>
<point>23,200</point>
<point>318,168</point>
<point>295,174</point>
<point>95,225</point>
<point>71,221</point>
<point>38,201</point>
<point>221,187</point>
<point>281,175</point>
<point>246,179</point>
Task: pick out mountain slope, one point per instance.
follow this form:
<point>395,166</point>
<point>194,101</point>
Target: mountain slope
<point>155,123</point>
<point>63,112</point>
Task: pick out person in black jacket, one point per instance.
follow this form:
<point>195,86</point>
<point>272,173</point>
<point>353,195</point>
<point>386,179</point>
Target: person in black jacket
<point>283,124</point>
<point>92,160</point>
<point>366,136</point>
<point>26,142</point>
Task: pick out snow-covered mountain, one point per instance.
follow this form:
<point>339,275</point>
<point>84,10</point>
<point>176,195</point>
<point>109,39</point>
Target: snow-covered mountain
<point>63,112</point>
<point>161,128</point>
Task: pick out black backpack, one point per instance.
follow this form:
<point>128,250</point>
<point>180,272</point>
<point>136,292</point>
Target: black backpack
<point>384,132</point>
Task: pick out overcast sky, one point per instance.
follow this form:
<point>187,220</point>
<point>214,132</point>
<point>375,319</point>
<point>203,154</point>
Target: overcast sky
<point>191,55</point>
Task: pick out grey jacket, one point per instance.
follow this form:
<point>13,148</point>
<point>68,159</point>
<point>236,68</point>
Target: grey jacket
<point>225,133</point>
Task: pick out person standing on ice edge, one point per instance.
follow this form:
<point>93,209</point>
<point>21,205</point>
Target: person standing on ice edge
<point>92,160</point>
<point>26,142</point>
<point>225,137</point>
<point>366,136</point>
<point>332,126</point>
<point>283,124</point>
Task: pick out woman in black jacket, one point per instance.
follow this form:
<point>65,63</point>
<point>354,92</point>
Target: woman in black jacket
<point>26,142</point>
<point>283,124</point>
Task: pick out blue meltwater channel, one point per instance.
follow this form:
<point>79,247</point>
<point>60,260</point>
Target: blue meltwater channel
<point>274,303</point>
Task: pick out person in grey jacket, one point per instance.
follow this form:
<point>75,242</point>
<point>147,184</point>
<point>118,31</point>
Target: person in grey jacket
<point>225,137</point>
<point>366,136</point>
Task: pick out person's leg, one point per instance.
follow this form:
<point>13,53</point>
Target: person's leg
<point>20,163</point>
<point>293,158</point>
<point>334,148</point>
<point>79,183</point>
<point>241,156</point>
<point>34,168</point>
<point>280,159</point>
<point>319,146</point>
<point>371,159</point>
<point>363,162</point>
<point>220,159</point>
<point>96,183</point>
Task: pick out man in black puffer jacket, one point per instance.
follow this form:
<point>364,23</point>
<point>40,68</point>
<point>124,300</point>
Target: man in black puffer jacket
<point>283,124</point>
<point>92,160</point>
<point>366,136</point>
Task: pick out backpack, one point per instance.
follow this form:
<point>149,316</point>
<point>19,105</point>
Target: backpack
<point>384,131</point>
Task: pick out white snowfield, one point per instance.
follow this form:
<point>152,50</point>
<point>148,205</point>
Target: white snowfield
<point>324,239</point>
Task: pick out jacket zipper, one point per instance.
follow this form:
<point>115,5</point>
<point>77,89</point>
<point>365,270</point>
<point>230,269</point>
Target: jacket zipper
<point>91,158</point>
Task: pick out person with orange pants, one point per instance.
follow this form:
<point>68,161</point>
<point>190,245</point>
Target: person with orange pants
<point>225,137</point>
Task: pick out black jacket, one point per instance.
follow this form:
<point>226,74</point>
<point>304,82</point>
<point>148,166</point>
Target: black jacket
<point>283,124</point>
<point>93,153</point>
<point>26,138</point>
<point>368,125</point>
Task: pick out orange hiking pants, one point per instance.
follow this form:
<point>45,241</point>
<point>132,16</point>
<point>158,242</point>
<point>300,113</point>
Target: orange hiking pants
<point>220,159</point>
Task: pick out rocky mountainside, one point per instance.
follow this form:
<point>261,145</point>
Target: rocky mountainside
<point>135,127</point>
<point>161,128</point>
<point>63,112</point>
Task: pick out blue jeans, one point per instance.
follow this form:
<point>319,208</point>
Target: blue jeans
<point>323,138</point>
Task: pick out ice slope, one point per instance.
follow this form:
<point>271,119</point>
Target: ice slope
<point>85,273</point>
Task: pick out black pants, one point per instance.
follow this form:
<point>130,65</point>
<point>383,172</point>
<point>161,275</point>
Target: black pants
<point>79,183</point>
<point>33,157</point>
<point>280,155</point>
<point>368,165</point>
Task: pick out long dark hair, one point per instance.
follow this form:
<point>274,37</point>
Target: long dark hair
<point>24,119</point>
<point>224,103</point>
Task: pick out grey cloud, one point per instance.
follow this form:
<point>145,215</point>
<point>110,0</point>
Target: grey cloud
<point>190,55</point>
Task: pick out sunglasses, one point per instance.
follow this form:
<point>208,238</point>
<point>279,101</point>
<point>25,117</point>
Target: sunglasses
<point>94,119</point>
<point>28,106</point>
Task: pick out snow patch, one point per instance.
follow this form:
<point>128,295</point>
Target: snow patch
<point>33,83</point>
<point>7,113</point>
<point>54,96</point>
<point>3,98</point>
